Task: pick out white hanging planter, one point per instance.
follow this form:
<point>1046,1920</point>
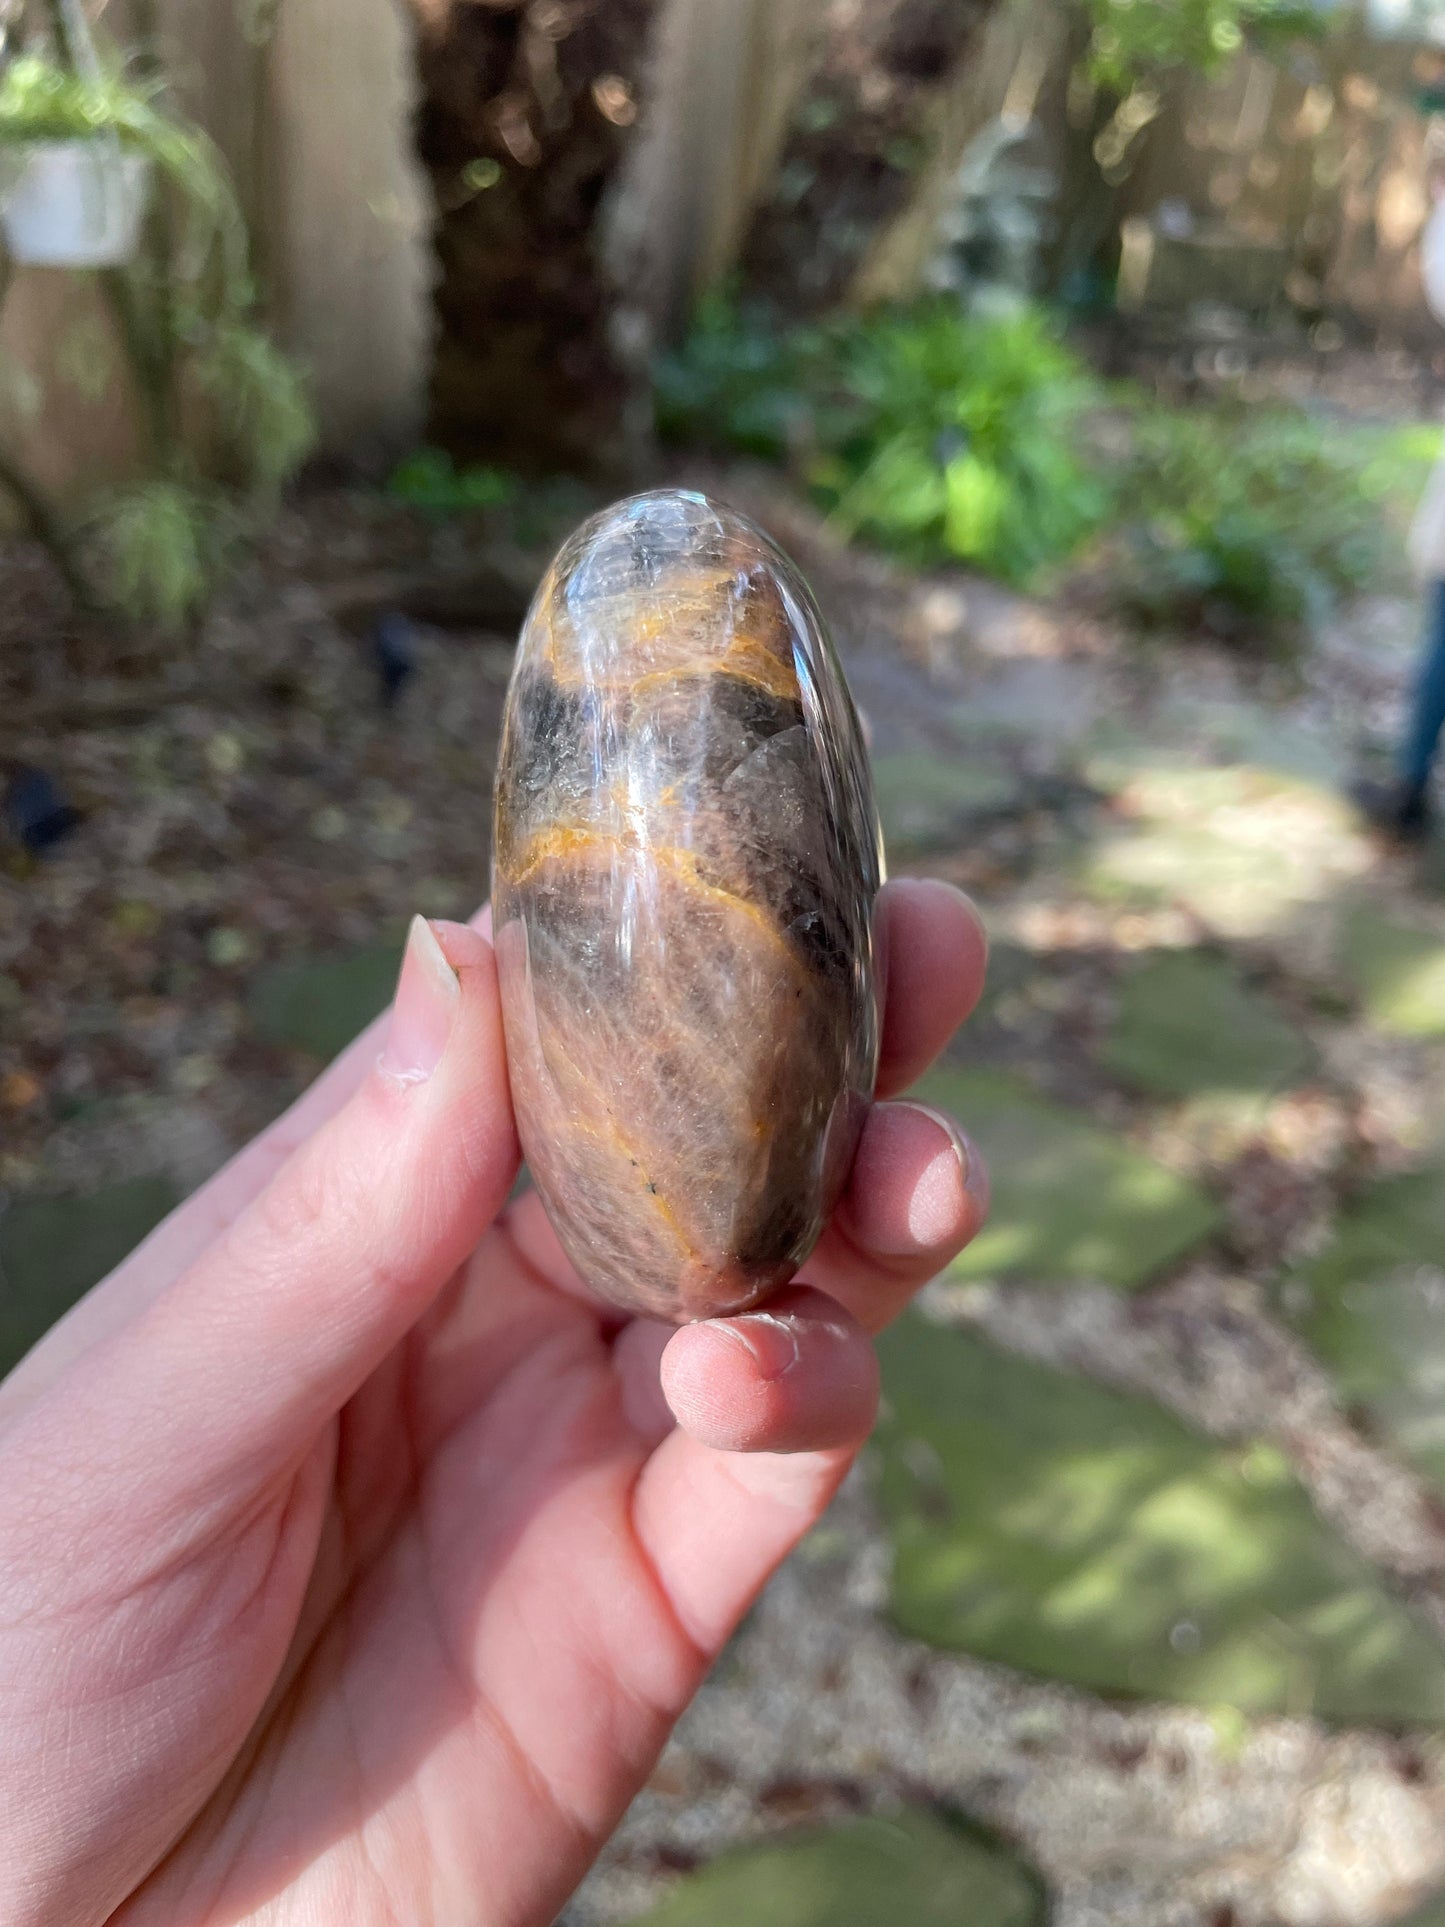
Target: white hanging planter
<point>72,203</point>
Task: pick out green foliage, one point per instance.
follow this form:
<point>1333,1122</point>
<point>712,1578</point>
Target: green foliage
<point>1248,523</point>
<point>431,481</point>
<point>161,543</point>
<point>739,382</point>
<point>261,400</point>
<point>934,433</point>
<point>939,435</point>
<point>1134,41</point>
<point>42,101</point>
<point>966,441</point>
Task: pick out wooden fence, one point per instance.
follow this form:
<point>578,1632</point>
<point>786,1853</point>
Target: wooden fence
<point>1325,164</point>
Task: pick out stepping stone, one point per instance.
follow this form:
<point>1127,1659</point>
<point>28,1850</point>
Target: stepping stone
<point>52,1250</point>
<point>1376,1315</point>
<point>318,1004</point>
<point>1398,972</point>
<point>1243,848</point>
<point>1070,1201</point>
<point>1048,1524</point>
<point>1232,732</point>
<point>1213,738</point>
<point>1032,699</point>
<point>916,1868</point>
<point>925,801</point>
<point>1187,1025</point>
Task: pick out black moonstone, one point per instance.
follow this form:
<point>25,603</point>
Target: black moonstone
<point>686,858</point>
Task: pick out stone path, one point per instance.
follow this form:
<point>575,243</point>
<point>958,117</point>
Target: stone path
<point>1146,1573</point>
<point>1170,1448</point>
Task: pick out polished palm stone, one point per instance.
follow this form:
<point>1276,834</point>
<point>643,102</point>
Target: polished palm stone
<point>686,858</point>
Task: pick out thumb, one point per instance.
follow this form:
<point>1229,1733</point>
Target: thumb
<point>240,1361</point>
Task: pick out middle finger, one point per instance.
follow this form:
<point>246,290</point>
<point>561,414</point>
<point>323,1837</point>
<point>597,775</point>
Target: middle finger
<point>917,1193</point>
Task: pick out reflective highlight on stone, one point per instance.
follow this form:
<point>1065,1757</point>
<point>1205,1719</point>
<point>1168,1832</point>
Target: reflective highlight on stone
<point>686,857</point>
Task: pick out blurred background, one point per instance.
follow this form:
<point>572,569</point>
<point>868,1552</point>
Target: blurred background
<point>1080,351</point>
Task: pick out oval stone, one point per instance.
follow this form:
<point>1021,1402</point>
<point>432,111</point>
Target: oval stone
<point>685,862</point>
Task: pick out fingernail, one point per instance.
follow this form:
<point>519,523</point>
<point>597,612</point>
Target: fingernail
<point>941,1193</point>
<point>771,1340</point>
<point>427,994</point>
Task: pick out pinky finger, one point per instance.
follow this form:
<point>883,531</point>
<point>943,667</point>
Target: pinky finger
<point>798,1377</point>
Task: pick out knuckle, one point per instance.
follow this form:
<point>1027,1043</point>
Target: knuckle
<point>300,1201</point>
<point>313,1207</point>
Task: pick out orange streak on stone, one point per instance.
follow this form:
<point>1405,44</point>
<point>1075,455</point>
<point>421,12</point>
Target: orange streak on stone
<point>549,846</point>
<point>747,657</point>
<point>750,657</point>
<point>746,660</point>
<point>615,1138</point>
<point>568,840</point>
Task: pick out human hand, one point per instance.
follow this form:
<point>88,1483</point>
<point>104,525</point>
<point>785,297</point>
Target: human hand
<point>355,1564</point>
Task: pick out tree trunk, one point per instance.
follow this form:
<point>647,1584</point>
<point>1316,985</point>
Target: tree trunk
<point>527,109</point>
<point>858,138</point>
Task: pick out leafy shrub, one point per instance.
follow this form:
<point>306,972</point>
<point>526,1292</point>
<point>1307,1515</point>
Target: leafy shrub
<point>161,545</point>
<point>1132,42</point>
<point>1249,525</point>
<point>737,382</point>
<point>941,435</point>
<point>262,403</point>
<point>933,433</point>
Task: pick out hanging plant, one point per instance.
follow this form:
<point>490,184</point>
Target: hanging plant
<point>180,287</point>
<point>71,195</point>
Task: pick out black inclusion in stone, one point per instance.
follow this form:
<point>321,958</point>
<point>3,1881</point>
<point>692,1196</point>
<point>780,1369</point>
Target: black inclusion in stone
<point>547,719</point>
<point>707,722</point>
<point>553,731</point>
<point>759,712</point>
